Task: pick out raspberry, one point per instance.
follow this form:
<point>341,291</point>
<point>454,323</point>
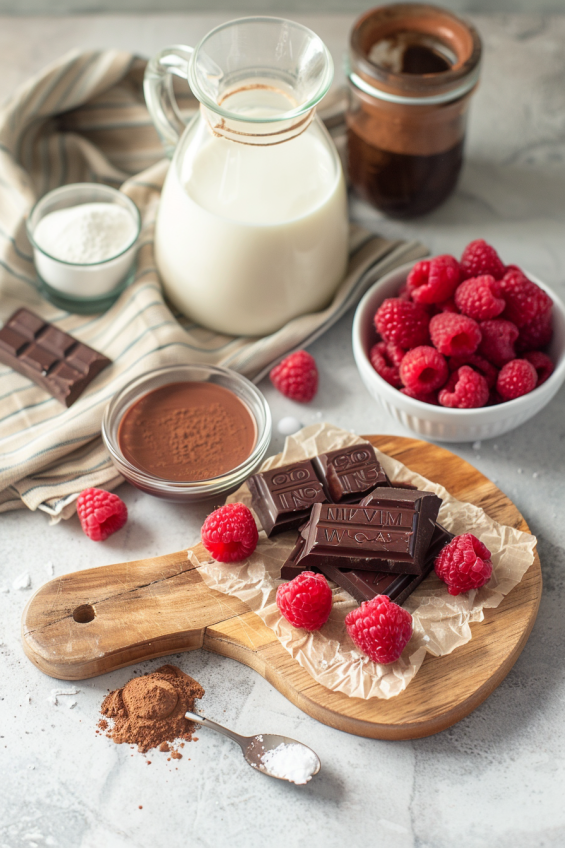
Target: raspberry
<point>448,305</point>
<point>497,344</point>
<point>542,363</point>
<point>433,280</point>
<point>402,322</point>
<point>384,363</point>
<point>465,389</point>
<point>101,513</point>
<point>423,370</point>
<point>454,335</point>
<point>431,398</point>
<point>230,533</point>
<point>296,377</point>
<point>395,353</point>
<point>380,628</point>
<point>479,363</point>
<point>479,298</point>
<point>464,564</point>
<point>516,378</point>
<point>536,333</point>
<point>480,258</point>
<point>525,301</point>
<point>306,601</point>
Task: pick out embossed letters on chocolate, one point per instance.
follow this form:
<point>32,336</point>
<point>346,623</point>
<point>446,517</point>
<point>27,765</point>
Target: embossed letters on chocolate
<point>350,472</point>
<point>283,497</point>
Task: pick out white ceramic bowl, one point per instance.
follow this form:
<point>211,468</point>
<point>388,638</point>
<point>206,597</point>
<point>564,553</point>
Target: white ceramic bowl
<point>438,422</point>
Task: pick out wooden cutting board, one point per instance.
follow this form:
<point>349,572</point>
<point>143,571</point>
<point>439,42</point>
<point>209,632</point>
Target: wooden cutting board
<point>90,622</point>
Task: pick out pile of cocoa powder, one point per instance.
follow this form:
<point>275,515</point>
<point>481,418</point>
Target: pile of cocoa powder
<point>149,711</point>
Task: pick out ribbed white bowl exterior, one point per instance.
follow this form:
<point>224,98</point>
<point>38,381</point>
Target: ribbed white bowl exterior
<point>437,422</point>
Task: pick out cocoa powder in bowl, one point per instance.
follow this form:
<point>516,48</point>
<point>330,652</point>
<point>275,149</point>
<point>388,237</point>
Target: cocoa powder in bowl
<point>187,432</point>
<point>149,711</point>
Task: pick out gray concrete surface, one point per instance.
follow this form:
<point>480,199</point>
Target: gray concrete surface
<point>496,779</point>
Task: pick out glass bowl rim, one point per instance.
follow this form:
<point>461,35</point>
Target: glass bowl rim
<point>211,485</point>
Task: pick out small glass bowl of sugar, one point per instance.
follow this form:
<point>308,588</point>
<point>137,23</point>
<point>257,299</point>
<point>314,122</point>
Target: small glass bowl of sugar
<point>84,238</point>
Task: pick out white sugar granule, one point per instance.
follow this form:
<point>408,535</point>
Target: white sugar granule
<point>23,581</point>
<point>289,425</point>
<point>86,234</point>
<point>296,763</point>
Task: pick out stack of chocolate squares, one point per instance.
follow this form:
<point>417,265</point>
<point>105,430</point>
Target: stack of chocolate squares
<point>354,526</point>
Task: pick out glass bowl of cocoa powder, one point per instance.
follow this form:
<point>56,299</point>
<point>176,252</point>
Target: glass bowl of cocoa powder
<point>187,432</point>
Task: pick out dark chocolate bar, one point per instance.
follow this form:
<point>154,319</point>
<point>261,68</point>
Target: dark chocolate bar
<point>54,360</point>
<point>284,496</point>
<point>349,473</point>
<point>365,585</point>
<point>391,535</point>
<point>290,568</point>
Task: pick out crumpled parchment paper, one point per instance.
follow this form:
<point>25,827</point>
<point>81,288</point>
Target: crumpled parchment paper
<point>441,622</point>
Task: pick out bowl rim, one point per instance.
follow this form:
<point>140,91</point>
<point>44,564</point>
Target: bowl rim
<point>143,384</point>
<point>549,387</point>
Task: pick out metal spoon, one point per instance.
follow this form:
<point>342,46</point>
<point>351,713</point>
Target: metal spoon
<point>255,747</point>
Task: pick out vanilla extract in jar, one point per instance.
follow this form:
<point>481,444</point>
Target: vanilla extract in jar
<point>412,70</point>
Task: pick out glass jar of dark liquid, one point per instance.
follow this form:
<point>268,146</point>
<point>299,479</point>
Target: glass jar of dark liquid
<point>412,70</point>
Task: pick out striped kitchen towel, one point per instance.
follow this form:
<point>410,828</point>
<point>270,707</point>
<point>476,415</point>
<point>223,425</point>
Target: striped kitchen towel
<point>84,119</point>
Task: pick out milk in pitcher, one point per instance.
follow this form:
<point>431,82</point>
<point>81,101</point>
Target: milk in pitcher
<point>249,237</point>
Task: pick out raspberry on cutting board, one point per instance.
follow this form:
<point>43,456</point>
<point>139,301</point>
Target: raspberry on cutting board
<point>230,533</point>
<point>305,601</point>
<point>101,513</point>
<point>296,377</point>
<point>380,628</point>
<point>464,564</point>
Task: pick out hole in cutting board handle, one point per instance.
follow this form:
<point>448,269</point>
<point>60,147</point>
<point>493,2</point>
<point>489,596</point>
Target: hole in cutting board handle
<point>84,614</point>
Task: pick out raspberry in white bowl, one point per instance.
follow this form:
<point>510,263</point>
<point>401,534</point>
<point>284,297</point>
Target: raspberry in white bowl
<point>430,315</point>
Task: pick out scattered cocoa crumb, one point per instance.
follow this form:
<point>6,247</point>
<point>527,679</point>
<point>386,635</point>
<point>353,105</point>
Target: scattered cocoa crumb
<point>141,806</point>
<point>103,724</point>
<point>148,762</point>
<point>149,710</point>
<point>176,755</point>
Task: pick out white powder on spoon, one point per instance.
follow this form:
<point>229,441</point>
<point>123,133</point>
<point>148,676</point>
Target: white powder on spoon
<point>296,763</point>
<point>87,233</point>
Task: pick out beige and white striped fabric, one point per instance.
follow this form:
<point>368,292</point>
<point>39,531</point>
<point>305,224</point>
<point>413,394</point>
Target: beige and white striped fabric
<point>84,120</point>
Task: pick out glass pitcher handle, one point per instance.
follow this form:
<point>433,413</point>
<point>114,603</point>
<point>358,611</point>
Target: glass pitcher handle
<point>159,95</point>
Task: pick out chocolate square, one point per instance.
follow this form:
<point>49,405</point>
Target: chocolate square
<point>283,497</point>
<point>349,473</point>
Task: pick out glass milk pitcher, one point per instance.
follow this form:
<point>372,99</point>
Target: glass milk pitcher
<point>252,228</point>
